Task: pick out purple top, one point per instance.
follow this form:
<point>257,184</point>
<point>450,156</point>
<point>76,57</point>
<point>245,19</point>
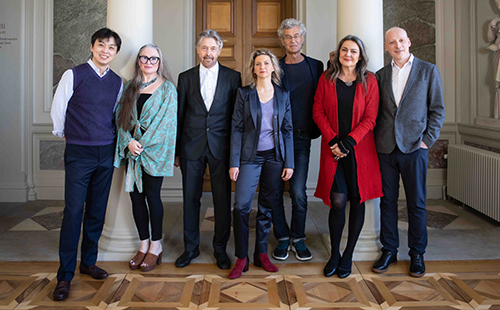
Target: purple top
<point>266,137</point>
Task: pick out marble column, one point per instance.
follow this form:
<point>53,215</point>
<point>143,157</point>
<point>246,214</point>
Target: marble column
<point>364,19</point>
<point>133,21</point>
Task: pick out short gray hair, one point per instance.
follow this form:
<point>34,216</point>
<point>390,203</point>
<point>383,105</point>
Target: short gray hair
<point>209,34</point>
<point>289,23</point>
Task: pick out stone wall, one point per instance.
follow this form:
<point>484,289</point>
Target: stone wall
<point>418,18</point>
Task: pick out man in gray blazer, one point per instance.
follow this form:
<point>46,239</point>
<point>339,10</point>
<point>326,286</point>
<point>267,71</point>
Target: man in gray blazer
<point>410,118</point>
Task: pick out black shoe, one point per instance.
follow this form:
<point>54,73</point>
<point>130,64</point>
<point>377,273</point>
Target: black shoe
<point>281,251</point>
<point>330,268</point>
<point>417,266</point>
<point>301,251</point>
<point>223,261</point>
<point>386,260</point>
<point>345,266</point>
<point>343,273</point>
<point>94,271</point>
<point>185,258</point>
<point>62,290</point>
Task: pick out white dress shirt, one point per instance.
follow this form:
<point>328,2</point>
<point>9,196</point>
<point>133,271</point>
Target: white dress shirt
<point>208,83</point>
<point>400,77</point>
<point>63,95</point>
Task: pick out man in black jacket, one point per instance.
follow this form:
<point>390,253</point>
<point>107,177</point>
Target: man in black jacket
<point>301,75</point>
<point>206,96</point>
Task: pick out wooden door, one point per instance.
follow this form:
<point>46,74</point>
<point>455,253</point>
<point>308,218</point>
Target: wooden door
<point>244,26</point>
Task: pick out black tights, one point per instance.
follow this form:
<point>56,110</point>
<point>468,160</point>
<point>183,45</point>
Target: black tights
<point>336,222</point>
<point>152,210</point>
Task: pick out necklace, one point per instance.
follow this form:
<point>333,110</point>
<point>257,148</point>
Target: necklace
<point>144,85</point>
<point>348,83</point>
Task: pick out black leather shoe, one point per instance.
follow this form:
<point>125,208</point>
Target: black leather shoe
<point>185,258</point>
<point>223,261</point>
<point>61,291</point>
<point>417,266</point>
<point>330,268</point>
<point>386,260</point>
<point>94,271</point>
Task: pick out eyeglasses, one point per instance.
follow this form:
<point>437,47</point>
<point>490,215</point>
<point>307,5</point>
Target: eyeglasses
<point>152,60</point>
<point>295,37</point>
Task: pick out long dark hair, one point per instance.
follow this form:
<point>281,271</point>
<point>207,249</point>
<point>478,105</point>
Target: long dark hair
<point>133,90</point>
<point>334,71</point>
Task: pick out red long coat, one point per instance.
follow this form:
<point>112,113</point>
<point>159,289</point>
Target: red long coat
<point>364,114</point>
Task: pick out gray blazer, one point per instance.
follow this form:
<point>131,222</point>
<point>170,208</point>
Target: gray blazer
<point>420,115</point>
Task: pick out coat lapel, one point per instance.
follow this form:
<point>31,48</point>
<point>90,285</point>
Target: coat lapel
<point>197,87</point>
<point>255,107</point>
<point>220,82</point>
<point>411,78</point>
<point>388,78</point>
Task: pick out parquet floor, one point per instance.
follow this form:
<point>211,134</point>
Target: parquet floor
<point>447,285</point>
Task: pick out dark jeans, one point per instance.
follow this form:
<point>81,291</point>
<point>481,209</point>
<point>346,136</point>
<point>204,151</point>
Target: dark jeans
<point>268,170</point>
<point>152,212</point>
<point>302,150</point>
<point>88,176</point>
<point>413,170</point>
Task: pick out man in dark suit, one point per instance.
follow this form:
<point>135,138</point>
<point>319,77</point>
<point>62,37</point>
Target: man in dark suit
<point>206,96</point>
<point>410,118</point>
<point>300,78</point>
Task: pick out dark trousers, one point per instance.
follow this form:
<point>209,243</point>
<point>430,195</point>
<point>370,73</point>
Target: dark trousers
<point>152,212</point>
<point>413,170</point>
<point>268,170</point>
<point>302,150</point>
<point>192,189</point>
<point>89,172</point>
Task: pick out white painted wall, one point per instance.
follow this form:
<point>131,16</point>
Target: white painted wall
<point>13,166</point>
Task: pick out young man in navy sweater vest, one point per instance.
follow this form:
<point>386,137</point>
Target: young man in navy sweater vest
<point>83,114</point>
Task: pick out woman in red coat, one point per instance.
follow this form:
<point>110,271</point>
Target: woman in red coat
<point>345,109</point>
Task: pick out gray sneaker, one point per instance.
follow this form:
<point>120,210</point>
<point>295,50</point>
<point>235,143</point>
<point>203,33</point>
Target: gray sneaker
<point>301,251</point>
<point>281,251</point>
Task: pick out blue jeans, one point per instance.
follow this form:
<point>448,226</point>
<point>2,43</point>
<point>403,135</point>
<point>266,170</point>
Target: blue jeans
<point>302,150</point>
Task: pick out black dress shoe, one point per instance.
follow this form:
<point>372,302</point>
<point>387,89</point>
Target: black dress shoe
<point>94,271</point>
<point>61,291</point>
<point>185,258</point>
<point>386,260</point>
<point>223,261</point>
<point>417,266</point>
<point>330,268</point>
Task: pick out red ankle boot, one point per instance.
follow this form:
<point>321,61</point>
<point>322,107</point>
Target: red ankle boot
<point>262,260</point>
<point>240,267</point>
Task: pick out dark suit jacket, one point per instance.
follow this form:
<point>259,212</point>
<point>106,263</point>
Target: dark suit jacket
<point>316,68</point>
<point>197,127</point>
<point>246,126</point>
<point>420,114</point>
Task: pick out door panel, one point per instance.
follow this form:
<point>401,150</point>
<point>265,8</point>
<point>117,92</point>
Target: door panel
<point>244,26</point>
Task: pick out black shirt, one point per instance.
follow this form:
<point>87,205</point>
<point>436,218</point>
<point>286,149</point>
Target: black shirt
<point>301,94</point>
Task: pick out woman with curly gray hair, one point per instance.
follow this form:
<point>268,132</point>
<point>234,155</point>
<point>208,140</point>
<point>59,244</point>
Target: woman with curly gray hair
<point>261,150</point>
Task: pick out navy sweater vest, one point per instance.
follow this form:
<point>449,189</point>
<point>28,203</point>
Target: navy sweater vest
<point>90,112</point>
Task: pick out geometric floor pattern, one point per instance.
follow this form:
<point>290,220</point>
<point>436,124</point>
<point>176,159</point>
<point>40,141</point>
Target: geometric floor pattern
<point>447,285</point>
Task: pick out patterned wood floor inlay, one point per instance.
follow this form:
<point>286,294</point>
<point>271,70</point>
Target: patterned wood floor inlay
<point>85,294</point>
<point>296,286</point>
<point>158,291</point>
<point>329,293</point>
<point>255,292</point>
<point>405,292</point>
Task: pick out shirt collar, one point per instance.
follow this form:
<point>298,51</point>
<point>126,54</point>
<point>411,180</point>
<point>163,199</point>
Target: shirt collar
<point>214,69</point>
<point>408,63</point>
<point>91,63</point>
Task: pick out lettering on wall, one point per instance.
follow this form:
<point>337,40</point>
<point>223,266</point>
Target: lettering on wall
<point>5,40</point>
